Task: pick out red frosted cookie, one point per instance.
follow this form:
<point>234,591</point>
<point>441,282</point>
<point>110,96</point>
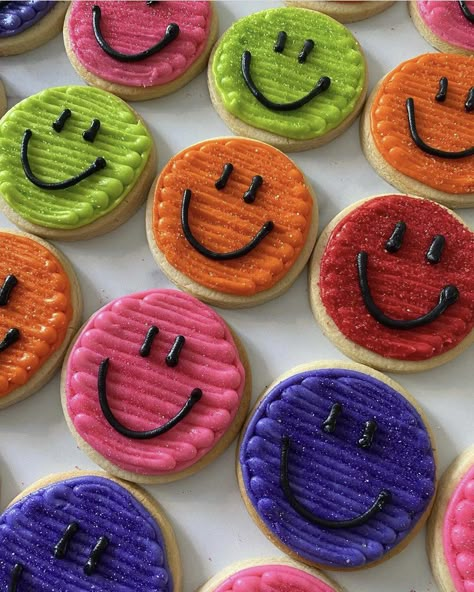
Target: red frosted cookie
<point>392,283</point>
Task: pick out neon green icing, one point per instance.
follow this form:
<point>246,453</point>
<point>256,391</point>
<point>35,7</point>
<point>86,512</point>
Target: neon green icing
<point>282,79</point>
<point>54,156</point>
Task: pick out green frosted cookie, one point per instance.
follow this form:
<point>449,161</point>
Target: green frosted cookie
<point>292,77</point>
<point>75,162</point>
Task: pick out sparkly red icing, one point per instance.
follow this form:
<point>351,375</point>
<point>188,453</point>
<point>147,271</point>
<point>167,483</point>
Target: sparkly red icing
<point>403,284</point>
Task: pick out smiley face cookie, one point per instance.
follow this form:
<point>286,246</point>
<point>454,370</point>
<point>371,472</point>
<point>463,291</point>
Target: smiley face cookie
<point>336,466</point>
<point>155,387</point>
<point>391,283</point>
<point>347,11</point>
<point>450,528</point>
<point>269,575</point>
<point>419,137</point>
<point>287,76</point>
<point>90,529</point>
<point>27,25</point>
<point>447,24</point>
<point>40,310</point>
<point>232,221</point>
<point>75,162</point>
<point>137,49</point>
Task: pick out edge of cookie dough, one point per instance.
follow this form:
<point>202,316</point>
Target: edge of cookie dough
<point>348,365</point>
<point>346,346</point>
<point>344,12</point>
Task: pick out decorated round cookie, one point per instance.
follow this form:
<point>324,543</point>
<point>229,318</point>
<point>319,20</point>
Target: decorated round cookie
<point>450,539</point>
<point>27,25</point>
<point>419,137</point>
<point>348,11</point>
<point>155,386</point>
<point>75,162</point>
<point>137,49</point>
<point>391,283</point>
<point>89,531</point>
<point>232,221</point>
<point>287,76</point>
<point>40,310</point>
<point>269,575</point>
<point>447,24</point>
<point>336,466</point>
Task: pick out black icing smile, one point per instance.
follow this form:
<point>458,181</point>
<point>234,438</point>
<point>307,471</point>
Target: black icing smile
<point>465,10</point>
<point>172,31</point>
<point>171,361</point>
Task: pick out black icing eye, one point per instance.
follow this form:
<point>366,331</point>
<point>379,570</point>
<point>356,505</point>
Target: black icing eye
<point>329,424</point>
<point>250,195</point>
<point>443,90</point>
<point>61,120</point>
<point>307,49</point>
<point>368,434</point>
<point>280,42</point>
<point>151,2</point>
<point>433,255</point>
<point>60,549</point>
<point>95,555</point>
<point>469,104</point>
<point>90,134</point>
<point>148,341</point>
<point>394,243</point>
<point>226,172</point>
<point>172,358</point>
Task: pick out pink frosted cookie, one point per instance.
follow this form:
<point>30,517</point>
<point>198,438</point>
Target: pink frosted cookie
<point>451,527</point>
<point>155,386</point>
<point>447,24</point>
<point>269,575</point>
<point>137,49</point>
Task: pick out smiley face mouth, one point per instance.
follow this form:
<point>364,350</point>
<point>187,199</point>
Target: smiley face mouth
<point>323,84</point>
<point>465,10</point>
<point>194,397</point>
<point>97,165</point>
<point>172,31</point>
<point>447,296</point>
<point>256,240</point>
<point>410,105</point>
<point>381,500</point>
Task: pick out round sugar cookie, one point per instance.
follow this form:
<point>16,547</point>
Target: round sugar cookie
<point>25,25</point>
<point>3,99</point>
<point>448,25</point>
<point>349,11</point>
<point>75,162</point>
<point>450,538</point>
<point>40,311</point>
<point>391,283</point>
<point>337,465</point>
<point>89,529</point>
<point>419,137</point>
<point>269,575</point>
<point>155,386</point>
<point>232,221</point>
<point>139,50</point>
<point>287,76</point>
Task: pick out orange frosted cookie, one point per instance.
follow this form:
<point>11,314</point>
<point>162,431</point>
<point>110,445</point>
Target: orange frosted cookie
<point>232,221</point>
<point>418,128</point>
<point>40,309</point>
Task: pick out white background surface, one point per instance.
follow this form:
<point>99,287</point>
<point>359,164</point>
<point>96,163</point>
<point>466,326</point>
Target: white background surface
<point>211,523</point>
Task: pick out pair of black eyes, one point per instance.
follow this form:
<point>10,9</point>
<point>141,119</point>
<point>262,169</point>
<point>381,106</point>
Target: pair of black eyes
<point>89,135</point>
<point>368,433</point>
<point>443,91</point>
<point>304,53</point>
<point>434,252</point>
<point>251,193</point>
<point>172,358</point>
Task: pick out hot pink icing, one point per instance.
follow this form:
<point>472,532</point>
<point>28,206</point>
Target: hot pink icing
<point>143,392</point>
<point>445,19</point>
<point>458,534</point>
<point>132,27</point>
<point>273,578</point>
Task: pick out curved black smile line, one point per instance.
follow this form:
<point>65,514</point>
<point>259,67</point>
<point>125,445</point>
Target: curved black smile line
<point>410,104</point>
<point>447,296</point>
<point>261,234</point>
<point>15,577</point>
<point>383,498</point>
<point>194,397</point>
<point>97,165</point>
<point>323,84</point>
<point>172,31</point>
<point>465,10</point>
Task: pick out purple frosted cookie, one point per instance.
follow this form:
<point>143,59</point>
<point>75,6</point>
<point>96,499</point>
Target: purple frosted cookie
<point>336,465</point>
<point>86,532</point>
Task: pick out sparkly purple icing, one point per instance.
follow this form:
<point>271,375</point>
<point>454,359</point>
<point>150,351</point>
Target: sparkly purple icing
<point>135,558</point>
<point>330,474</point>
<point>16,16</point>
